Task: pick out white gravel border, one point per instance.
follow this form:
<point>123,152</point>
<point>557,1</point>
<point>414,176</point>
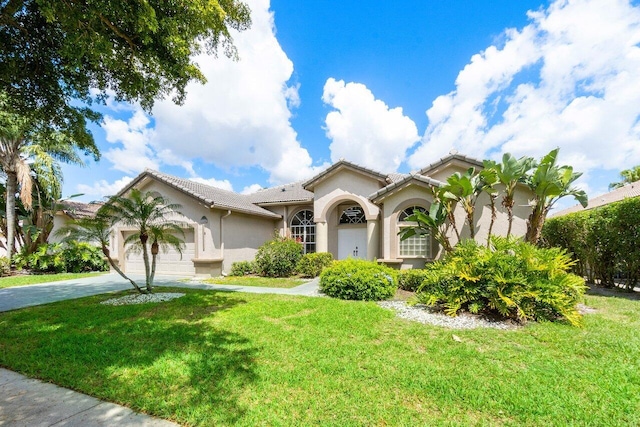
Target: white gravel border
<point>143,298</point>
<point>429,315</point>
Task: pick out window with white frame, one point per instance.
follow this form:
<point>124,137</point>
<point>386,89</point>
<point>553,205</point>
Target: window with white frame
<point>416,245</point>
<point>303,230</point>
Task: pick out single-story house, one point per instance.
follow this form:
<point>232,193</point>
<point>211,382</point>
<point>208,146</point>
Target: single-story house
<point>624,192</point>
<point>347,210</point>
<point>70,210</point>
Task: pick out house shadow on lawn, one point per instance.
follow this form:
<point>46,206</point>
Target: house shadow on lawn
<point>612,292</point>
<point>170,359</point>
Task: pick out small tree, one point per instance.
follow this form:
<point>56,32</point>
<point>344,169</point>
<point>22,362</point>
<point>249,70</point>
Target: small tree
<point>549,183</point>
<point>148,213</point>
<point>464,189</point>
<point>435,222</point>
<point>628,176</point>
<point>96,229</point>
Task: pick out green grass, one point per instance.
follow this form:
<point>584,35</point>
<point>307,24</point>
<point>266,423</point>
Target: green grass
<point>32,279</point>
<point>267,282</point>
<point>216,358</point>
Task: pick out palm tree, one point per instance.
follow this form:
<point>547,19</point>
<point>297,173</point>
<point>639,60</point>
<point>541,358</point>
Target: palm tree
<point>510,172</point>
<point>628,176</point>
<point>21,143</point>
<point>97,229</point>
<point>148,213</point>
<point>464,189</point>
<point>435,221</point>
<point>487,184</point>
<point>549,184</point>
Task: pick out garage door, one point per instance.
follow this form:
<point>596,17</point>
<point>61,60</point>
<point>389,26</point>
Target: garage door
<point>168,262</point>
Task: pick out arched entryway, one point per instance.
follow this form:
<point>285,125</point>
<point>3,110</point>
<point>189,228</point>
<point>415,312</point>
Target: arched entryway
<point>352,232</point>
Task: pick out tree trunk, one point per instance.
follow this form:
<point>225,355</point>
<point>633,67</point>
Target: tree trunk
<point>493,218</point>
<point>12,187</point>
<point>535,223</point>
<point>145,257</point>
<point>154,255</point>
<point>508,203</point>
<point>106,253</point>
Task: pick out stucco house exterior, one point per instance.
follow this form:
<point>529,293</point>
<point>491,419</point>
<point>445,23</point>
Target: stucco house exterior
<point>347,210</point>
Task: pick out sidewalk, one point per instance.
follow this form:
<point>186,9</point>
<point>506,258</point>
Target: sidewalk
<point>28,402</point>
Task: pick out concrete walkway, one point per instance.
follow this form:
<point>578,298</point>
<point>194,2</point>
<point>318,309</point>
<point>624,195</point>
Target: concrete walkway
<point>26,296</point>
<point>28,402</point>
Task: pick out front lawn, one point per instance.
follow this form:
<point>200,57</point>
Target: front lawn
<point>33,279</point>
<point>266,282</point>
<point>218,358</point>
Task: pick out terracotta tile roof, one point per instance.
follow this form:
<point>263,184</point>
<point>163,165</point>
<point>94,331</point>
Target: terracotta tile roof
<point>405,181</point>
<point>343,163</point>
<point>442,161</point>
<point>395,177</point>
<point>77,210</point>
<point>281,194</point>
<point>212,196</point>
<point>629,190</point>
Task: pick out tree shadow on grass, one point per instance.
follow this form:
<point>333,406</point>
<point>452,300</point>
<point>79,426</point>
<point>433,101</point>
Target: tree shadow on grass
<point>612,292</point>
<point>174,359</point>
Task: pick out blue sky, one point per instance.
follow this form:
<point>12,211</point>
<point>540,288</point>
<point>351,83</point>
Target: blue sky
<point>392,86</point>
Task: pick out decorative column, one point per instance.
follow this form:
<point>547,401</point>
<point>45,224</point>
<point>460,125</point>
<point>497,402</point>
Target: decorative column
<point>322,237</point>
<point>372,239</point>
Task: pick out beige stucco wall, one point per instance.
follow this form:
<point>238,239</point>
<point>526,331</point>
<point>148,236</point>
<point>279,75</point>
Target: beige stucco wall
<point>219,241</point>
<point>59,220</point>
<point>243,235</point>
<point>393,205</point>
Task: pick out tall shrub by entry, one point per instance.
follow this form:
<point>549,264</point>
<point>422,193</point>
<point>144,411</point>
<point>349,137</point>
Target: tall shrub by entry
<point>278,257</point>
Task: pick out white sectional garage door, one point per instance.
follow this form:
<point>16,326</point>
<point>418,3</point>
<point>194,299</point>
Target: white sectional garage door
<point>168,262</point>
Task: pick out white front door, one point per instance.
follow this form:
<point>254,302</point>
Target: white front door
<point>352,242</point>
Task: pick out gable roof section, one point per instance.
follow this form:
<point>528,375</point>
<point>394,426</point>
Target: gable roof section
<point>282,194</point>
<point>343,164</point>
<point>448,159</point>
<point>75,210</point>
<point>629,190</point>
<point>211,196</point>
<point>403,183</point>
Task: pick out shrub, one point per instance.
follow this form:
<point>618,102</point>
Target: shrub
<point>410,280</point>
<point>80,257</point>
<point>278,257</point>
<point>311,265</point>
<point>73,257</point>
<point>5,266</point>
<point>242,268</point>
<point>512,278</point>
<point>357,279</point>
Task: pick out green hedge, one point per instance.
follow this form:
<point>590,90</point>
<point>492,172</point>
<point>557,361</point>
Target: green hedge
<point>5,266</point>
<point>511,278</point>
<point>602,241</point>
<point>311,265</point>
<point>356,279</point>
<point>242,268</point>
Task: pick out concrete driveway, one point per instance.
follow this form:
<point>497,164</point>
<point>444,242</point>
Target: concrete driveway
<point>26,296</point>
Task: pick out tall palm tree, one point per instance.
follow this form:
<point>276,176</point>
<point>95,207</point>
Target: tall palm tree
<point>22,143</point>
<point>628,176</point>
<point>464,189</point>
<point>149,214</point>
<point>511,172</point>
<point>97,229</point>
<point>549,183</point>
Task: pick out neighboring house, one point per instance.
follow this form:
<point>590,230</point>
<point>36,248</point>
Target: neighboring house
<point>624,192</point>
<point>69,211</point>
<point>347,210</point>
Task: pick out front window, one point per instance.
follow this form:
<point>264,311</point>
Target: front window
<point>416,245</point>
<point>303,230</point>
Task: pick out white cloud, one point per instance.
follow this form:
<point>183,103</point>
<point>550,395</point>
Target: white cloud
<point>570,78</point>
<point>364,129</point>
<point>241,117</point>
<point>133,153</point>
<point>224,184</point>
<point>250,189</point>
<point>102,188</point>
